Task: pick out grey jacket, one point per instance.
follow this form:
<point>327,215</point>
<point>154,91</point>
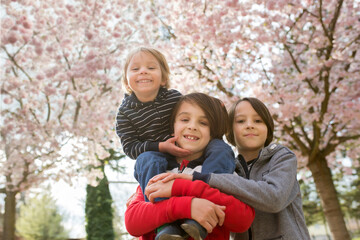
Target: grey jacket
<point>274,192</point>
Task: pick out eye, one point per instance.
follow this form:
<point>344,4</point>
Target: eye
<point>240,121</point>
<point>135,69</point>
<point>184,120</point>
<point>204,123</point>
<point>258,120</point>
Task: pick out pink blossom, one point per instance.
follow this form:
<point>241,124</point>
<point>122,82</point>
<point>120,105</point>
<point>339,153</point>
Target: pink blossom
<point>49,48</point>
<point>26,37</point>
<point>7,23</point>
<point>89,34</point>
<point>49,90</point>
<point>13,37</point>
<point>27,24</point>
<point>51,72</point>
<point>39,50</point>
<point>116,34</point>
<point>70,8</point>
<point>40,76</point>
<point>7,100</point>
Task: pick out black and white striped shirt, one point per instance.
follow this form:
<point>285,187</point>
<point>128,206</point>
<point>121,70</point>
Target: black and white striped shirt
<point>141,126</point>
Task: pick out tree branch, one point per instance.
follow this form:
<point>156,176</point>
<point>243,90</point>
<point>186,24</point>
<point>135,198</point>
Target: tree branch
<point>290,130</point>
<point>12,58</point>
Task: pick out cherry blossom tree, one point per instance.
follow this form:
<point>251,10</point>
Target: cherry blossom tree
<point>61,67</point>
<point>300,57</point>
<point>60,87</point>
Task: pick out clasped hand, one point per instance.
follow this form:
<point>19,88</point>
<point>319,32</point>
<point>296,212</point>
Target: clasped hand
<point>205,212</point>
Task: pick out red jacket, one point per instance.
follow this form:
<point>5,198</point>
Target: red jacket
<point>141,218</point>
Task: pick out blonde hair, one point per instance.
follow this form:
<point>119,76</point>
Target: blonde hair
<point>164,67</point>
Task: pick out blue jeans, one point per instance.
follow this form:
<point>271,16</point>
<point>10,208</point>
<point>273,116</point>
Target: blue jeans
<point>149,164</point>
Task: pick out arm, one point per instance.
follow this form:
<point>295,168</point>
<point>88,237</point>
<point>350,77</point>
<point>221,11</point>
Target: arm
<point>143,217</point>
<point>133,147</point>
<point>238,215</point>
<point>271,194</point>
<point>203,211</point>
<point>129,138</point>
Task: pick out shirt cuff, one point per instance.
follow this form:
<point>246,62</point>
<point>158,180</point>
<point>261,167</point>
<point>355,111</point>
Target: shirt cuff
<point>153,146</point>
<point>205,177</point>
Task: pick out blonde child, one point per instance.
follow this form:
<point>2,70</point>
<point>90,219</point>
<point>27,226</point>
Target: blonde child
<point>142,122</point>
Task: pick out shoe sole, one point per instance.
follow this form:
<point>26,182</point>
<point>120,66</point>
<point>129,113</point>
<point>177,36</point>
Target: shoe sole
<point>170,237</point>
<point>192,231</point>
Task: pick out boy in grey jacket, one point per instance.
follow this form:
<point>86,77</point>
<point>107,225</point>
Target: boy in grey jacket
<point>268,175</point>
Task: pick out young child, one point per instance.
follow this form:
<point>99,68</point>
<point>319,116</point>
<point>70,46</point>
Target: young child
<point>196,120</point>
<point>267,178</point>
<point>143,120</point>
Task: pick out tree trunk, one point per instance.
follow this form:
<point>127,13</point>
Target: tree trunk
<point>329,200</point>
<point>9,216</point>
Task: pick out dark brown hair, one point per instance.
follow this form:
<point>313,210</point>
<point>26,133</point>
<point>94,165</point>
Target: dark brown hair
<point>213,108</point>
<point>263,112</point>
<point>164,67</point>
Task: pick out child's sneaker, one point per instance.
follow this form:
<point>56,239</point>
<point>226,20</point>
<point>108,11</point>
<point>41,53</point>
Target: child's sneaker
<point>194,229</point>
<point>171,231</point>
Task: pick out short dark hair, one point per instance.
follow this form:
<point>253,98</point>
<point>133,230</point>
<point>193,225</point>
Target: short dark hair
<point>214,110</point>
<point>263,112</point>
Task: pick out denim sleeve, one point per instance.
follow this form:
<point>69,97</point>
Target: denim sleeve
<point>219,158</point>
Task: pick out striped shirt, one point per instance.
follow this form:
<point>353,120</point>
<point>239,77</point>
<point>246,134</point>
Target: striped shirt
<point>141,126</point>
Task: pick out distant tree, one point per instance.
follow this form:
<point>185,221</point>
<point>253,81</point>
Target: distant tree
<point>99,212</point>
<point>311,203</point>
<point>40,220</point>
<point>98,208</point>
<point>350,194</point>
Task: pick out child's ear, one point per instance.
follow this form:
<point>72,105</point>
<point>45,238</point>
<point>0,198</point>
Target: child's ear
<point>127,87</point>
<point>163,83</point>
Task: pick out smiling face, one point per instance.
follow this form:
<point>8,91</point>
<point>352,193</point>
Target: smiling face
<point>144,76</point>
<point>192,128</point>
<point>250,131</point>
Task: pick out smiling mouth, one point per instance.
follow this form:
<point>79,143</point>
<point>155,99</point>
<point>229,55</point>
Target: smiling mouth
<point>144,81</point>
<point>193,138</point>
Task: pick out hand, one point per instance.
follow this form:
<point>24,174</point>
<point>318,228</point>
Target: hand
<point>158,189</point>
<point>170,147</point>
<point>207,214</point>
<point>130,199</point>
<point>165,177</point>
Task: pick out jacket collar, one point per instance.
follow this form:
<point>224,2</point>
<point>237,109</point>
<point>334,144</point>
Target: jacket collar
<point>265,153</point>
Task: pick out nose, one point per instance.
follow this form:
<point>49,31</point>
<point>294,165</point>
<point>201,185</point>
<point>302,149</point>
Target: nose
<point>249,124</point>
<point>192,126</point>
<point>143,70</point>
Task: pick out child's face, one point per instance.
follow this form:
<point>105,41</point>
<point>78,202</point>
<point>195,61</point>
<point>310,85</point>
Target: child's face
<point>144,76</point>
<point>192,128</point>
<point>250,131</point>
